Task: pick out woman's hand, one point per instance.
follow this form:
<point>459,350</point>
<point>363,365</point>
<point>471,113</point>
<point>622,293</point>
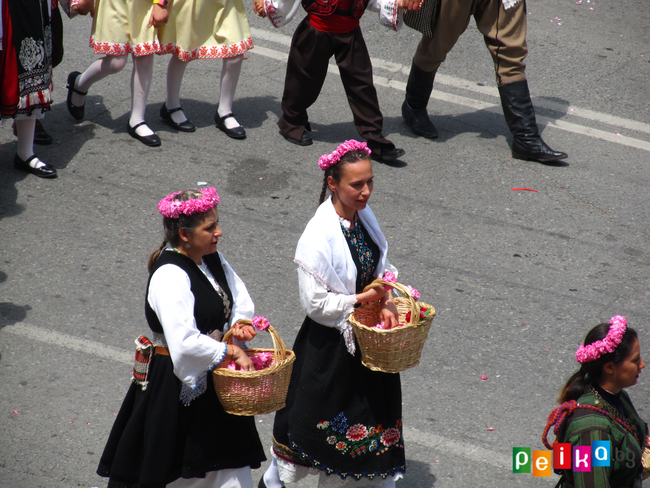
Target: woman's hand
<point>85,7</point>
<point>236,354</point>
<point>243,332</point>
<point>258,7</point>
<point>159,16</point>
<point>647,441</point>
<point>388,314</point>
<point>410,5</point>
<point>371,295</point>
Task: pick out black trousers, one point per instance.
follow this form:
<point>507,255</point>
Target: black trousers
<point>309,56</point>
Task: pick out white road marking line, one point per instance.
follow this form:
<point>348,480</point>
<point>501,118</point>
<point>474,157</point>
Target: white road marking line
<point>455,448</point>
<point>70,342</point>
<point>442,444</point>
<point>568,110</point>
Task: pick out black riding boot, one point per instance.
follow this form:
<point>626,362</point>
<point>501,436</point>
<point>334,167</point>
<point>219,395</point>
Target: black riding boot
<point>520,116</point>
<point>414,108</point>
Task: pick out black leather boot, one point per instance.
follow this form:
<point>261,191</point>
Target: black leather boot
<point>520,117</point>
<point>414,108</point>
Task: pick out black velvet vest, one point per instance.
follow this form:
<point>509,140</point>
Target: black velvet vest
<point>208,305</point>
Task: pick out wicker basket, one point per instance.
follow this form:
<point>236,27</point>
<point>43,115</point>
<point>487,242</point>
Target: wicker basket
<point>255,392</point>
<point>394,350</point>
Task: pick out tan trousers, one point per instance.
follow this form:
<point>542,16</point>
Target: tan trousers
<point>504,32</point>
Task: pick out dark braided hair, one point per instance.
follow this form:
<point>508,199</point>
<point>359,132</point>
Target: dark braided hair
<point>336,170</point>
<point>171,226</point>
<point>590,373</point>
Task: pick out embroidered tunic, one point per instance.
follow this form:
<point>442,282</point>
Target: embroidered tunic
<point>25,58</point>
<point>585,426</point>
<point>177,426</point>
<point>341,418</point>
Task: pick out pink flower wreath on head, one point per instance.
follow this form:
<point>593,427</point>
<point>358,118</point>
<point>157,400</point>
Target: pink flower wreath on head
<point>591,352</point>
<point>327,160</point>
<point>168,207</point>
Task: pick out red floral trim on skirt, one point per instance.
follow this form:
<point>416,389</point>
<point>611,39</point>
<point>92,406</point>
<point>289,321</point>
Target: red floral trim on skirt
<point>208,52</point>
<point>116,49</point>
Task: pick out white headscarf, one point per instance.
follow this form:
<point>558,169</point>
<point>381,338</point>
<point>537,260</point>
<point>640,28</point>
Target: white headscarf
<point>324,252</point>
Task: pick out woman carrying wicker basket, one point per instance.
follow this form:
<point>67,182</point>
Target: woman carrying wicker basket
<point>595,407</point>
<point>171,424</point>
<point>341,418</point>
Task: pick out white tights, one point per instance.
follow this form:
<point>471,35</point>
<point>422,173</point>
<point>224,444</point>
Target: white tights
<point>140,84</point>
<point>230,70</point>
<point>25,150</point>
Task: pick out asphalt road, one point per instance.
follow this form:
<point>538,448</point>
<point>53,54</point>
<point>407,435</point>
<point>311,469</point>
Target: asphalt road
<point>517,277</point>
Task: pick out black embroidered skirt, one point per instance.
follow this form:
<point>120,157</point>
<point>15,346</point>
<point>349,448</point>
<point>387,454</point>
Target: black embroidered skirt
<point>156,439</point>
<point>341,417</point>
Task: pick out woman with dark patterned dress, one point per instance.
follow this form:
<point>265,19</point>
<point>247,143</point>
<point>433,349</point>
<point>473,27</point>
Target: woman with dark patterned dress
<point>342,420</point>
<point>172,430</point>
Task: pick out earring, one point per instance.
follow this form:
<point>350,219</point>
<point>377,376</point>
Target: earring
<point>187,245</point>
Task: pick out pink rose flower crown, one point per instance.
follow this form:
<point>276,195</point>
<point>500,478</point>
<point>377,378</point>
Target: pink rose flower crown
<point>170,208</point>
<point>591,352</point>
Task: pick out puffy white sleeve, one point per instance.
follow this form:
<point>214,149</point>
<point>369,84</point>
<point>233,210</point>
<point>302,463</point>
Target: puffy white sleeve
<point>280,12</point>
<point>390,15</point>
<point>193,354</point>
<point>326,307</point>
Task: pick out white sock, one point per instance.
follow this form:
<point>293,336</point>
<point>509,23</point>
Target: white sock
<point>140,84</point>
<point>25,149</point>
<point>98,70</point>
<point>175,72</point>
<point>229,77</point>
<point>272,477</point>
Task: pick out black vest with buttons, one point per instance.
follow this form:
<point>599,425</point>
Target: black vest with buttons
<point>208,305</point>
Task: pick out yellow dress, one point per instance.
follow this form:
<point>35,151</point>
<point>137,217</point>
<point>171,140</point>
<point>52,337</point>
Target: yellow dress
<point>122,27</point>
<point>204,29</point>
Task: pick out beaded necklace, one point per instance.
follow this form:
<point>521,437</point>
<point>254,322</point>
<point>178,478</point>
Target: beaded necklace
<point>557,416</point>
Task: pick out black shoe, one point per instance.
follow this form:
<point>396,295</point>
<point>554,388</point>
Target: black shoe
<point>305,139</point>
<point>166,115</point>
<point>520,116</point>
<point>153,140</point>
<point>76,112</point>
<point>235,133</point>
<point>46,171</point>
<point>388,155</point>
<point>418,121</point>
<point>261,484</point>
<point>414,108</point>
<point>40,136</point>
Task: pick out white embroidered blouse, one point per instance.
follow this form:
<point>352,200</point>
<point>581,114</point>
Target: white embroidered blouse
<point>193,354</point>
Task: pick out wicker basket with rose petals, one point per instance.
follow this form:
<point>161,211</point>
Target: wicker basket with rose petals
<point>399,348</point>
<point>256,392</point>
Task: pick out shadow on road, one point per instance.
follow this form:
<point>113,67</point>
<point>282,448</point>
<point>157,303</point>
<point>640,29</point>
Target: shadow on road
<point>418,475</point>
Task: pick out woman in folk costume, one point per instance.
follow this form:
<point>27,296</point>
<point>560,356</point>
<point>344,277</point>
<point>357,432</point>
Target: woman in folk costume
<point>595,407</point>
<point>331,28</point>
<point>171,425</point>
<point>205,29</point>
<point>26,68</point>
<point>342,420</point>
<point>120,28</point>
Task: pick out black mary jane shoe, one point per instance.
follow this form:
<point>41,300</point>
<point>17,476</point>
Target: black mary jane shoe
<point>46,171</point>
<point>152,141</point>
<point>40,136</point>
<point>305,139</point>
<point>261,484</point>
<point>166,116</point>
<point>388,155</point>
<point>235,132</point>
<point>76,112</point>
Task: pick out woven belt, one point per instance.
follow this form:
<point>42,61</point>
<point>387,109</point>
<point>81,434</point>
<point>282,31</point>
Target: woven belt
<point>163,351</point>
